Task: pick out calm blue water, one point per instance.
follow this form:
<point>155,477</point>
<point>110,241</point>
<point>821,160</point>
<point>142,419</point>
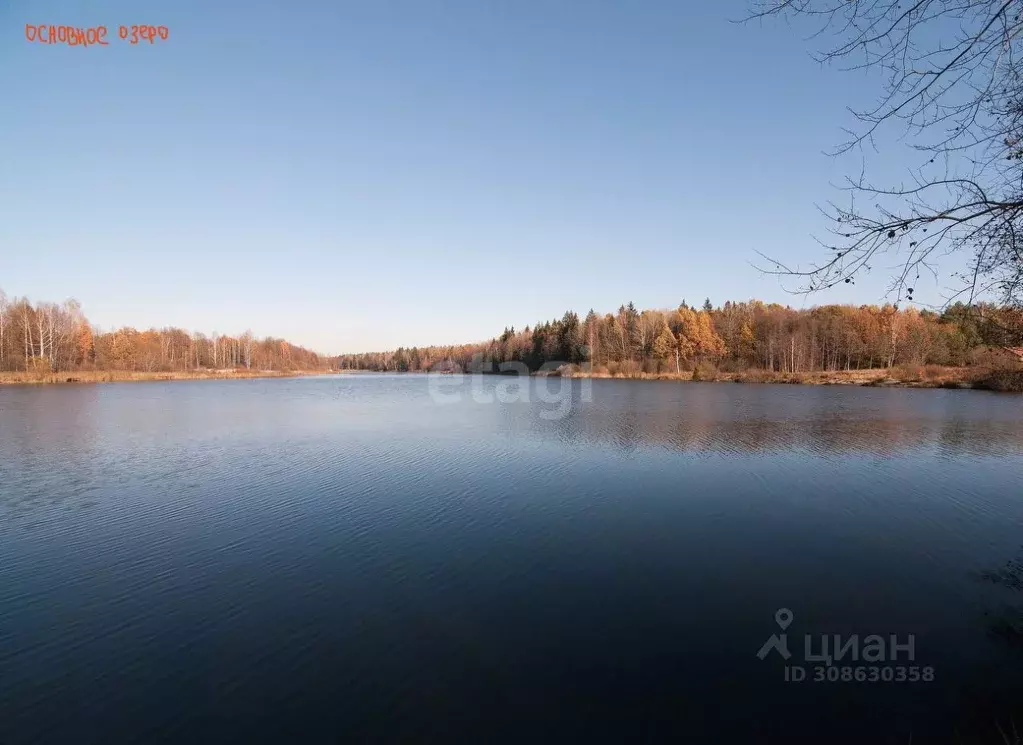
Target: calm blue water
<point>363,559</point>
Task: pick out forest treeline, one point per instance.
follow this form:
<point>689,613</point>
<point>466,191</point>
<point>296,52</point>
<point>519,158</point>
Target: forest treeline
<point>56,337</point>
<point>732,337</point>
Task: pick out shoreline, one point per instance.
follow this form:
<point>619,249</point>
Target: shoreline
<point>932,377</point>
<point>902,376</point>
<point>1009,380</point>
<point>130,376</point>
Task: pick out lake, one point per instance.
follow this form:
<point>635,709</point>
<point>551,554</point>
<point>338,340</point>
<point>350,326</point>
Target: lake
<point>373,558</point>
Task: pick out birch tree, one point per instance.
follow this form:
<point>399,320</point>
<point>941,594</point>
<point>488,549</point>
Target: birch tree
<point>3,329</point>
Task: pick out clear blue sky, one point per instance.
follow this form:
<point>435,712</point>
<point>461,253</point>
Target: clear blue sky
<point>358,176</point>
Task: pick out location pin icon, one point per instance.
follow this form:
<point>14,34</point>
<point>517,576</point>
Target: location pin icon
<point>783,618</point>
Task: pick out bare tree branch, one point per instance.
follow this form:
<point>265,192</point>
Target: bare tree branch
<point>953,86</point>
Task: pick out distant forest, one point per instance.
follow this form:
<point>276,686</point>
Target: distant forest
<point>732,337</point>
<point>52,337</point>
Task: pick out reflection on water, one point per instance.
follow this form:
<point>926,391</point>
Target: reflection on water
<point>350,559</point>
<point>753,419</point>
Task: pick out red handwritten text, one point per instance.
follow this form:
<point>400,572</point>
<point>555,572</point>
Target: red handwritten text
<point>135,34</point>
<point>75,36</point>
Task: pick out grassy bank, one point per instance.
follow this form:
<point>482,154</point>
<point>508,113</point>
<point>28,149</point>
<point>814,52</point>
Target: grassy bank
<point>905,376</point>
<point>125,376</point>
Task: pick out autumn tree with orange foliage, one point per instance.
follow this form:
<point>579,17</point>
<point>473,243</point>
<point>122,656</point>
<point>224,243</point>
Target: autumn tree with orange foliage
<point>734,337</point>
<point>50,337</point>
